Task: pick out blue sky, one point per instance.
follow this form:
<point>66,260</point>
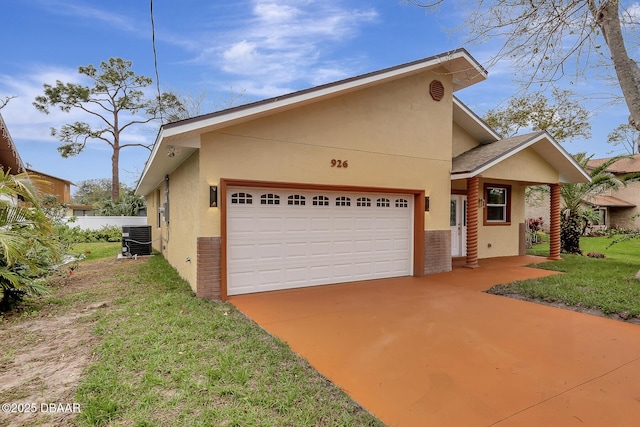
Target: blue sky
<point>252,48</point>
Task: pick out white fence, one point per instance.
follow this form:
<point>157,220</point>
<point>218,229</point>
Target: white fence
<point>97,222</point>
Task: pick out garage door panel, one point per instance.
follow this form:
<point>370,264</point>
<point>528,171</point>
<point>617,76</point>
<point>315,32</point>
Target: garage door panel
<point>317,272</point>
<point>297,250</point>
<point>270,225</point>
<point>344,247</point>
<point>269,278</point>
<point>363,246</point>
<point>241,253</point>
<point>284,246</point>
<point>297,224</point>
<point>320,224</point>
<point>401,244</point>
<point>343,224</point>
<point>269,252</point>
<point>296,275</point>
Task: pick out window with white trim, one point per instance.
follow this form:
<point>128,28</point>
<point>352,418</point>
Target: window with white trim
<point>497,204</point>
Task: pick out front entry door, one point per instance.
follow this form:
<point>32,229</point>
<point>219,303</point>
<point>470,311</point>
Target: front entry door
<point>458,223</point>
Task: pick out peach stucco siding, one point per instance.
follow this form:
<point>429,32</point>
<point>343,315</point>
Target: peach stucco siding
<point>176,240</point>
<point>462,141</point>
<point>525,166</point>
<point>392,135</point>
<point>393,130</point>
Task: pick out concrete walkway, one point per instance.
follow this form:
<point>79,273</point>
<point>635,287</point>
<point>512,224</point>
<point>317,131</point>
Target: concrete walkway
<point>437,351</point>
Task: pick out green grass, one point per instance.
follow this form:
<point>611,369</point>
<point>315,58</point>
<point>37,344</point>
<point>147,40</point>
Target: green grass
<point>607,284</point>
<point>168,358</point>
<point>93,251</point>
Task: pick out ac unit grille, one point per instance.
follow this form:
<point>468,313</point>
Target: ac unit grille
<point>136,240</point>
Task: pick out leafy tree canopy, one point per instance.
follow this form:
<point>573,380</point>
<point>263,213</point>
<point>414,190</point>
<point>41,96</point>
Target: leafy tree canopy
<point>92,191</point>
<point>128,204</point>
<point>564,118</point>
<point>626,137</point>
<point>115,101</point>
<point>551,40</point>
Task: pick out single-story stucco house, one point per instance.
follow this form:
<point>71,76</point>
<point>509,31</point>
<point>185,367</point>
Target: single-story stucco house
<point>380,175</point>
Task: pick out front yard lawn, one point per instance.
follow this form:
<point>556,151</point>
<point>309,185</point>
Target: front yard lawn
<point>146,352</point>
<point>604,284</point>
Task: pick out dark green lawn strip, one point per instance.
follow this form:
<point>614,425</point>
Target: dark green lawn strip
<point>607,284</point>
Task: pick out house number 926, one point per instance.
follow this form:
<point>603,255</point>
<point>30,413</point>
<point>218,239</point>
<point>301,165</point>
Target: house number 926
<point>339,163</point>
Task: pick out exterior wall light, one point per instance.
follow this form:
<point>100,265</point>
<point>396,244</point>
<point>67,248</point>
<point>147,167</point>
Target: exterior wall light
<point>213,196</point>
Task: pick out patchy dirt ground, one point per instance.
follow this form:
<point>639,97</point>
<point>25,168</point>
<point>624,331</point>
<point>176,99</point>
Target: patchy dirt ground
<point>46,346</point>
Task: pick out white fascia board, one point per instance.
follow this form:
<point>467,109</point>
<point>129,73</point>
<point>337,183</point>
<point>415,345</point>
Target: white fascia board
<point>152,155</point>
<point>473,116</point>
<point>206,125</point>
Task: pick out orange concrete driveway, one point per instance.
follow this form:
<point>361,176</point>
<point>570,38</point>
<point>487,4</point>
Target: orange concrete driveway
<point>437,351</point>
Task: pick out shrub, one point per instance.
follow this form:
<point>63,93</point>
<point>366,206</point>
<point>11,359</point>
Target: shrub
<point>108,233</point>
<point>535,224</point>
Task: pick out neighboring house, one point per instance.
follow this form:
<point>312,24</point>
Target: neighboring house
<point>619,208</point>
<point>44,183</point>
<point>49,184</point>
<point>9,157</point>
<point>61,188</point>
<point>380,175</point>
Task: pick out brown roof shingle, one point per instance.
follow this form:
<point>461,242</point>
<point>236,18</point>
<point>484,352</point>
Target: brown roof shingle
<point>622,166</point>
<point>484,154</point>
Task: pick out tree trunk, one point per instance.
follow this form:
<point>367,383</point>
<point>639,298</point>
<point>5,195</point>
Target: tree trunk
<point>570,234</point>
<point>607,16</point>
<point>115,174</point>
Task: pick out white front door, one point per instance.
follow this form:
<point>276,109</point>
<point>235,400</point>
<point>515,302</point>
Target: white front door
<point>458,223</point>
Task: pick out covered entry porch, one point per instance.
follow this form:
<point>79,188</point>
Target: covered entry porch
<point>488,191</point>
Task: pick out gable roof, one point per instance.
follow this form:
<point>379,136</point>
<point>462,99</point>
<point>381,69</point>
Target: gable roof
<point>608,201</point>
<point>9,157</point>
<point>477,160</point>
<point>42,174</point>
<point>185,134</point>
<point>622,166</point>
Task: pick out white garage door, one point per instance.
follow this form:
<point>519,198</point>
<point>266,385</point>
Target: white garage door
<point>281,239</point>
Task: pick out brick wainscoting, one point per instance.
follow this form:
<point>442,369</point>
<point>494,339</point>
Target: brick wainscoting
<point>208,281</point>
<point>437,251</point>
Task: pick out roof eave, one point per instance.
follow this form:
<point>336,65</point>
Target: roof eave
<point>472,123</point>
<point>575,174</point>
<point>186,133</point>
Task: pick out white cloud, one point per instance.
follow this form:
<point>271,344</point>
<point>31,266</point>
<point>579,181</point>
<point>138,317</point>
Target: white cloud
<point>284,41</point>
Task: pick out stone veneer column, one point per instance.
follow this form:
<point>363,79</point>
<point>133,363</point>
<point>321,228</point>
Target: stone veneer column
<point>472,221</point>
<point>554,223</point>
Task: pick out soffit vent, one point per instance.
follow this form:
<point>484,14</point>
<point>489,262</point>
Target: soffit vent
<point>436,89</point>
